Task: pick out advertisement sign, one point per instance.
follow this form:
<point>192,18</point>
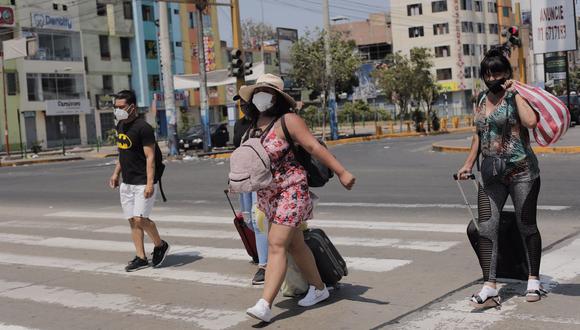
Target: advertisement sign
<point>554,23</point>
<point>555,66</point>
<point>50,21</point>
<point>286,39</point>
<point>67,107</point>
<point>6,16</point>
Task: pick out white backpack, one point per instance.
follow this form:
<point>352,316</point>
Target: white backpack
<point>250,167</point>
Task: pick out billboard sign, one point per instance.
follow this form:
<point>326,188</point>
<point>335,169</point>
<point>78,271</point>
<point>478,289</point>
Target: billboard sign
<point>286,39</point>
<point>554,24</point>
<point>67,107</point>
<point>50,21</point>
<point>555,64</point>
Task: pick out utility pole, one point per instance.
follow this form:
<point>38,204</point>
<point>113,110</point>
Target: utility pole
<point>6,138</point>
<point>203,96</point>
<point>166,70</point>
<point>331,97</point>
<point>237,37</point>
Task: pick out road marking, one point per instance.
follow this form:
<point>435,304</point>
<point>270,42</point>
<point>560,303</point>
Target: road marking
<point>430,206</point>
<point>371,225</point>
<point>205,318</point>
<point>4,326</point>
<point>559,266</point>
<point>362,264</point>
<point>430,246</point>
<point>77,265</point>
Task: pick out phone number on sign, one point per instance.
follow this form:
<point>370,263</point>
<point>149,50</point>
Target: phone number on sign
<point>555,32</point>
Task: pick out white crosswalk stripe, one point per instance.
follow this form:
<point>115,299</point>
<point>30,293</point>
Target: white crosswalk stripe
<point>119,303</point>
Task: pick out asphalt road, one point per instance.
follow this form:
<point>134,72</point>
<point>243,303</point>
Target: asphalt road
<point>63,246</point>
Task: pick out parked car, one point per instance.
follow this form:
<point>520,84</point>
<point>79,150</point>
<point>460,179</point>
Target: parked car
<point>574,108</point>
<point>193,138</point>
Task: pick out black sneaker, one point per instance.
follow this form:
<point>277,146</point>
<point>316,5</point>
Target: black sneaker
<point>159,254</point>
<point>259,277</point>
<point>137,264</point>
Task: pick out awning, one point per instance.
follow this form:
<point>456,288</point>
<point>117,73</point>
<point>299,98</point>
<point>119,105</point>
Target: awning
<point>214,78</point>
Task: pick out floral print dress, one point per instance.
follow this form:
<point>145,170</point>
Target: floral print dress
<point>287,200</point>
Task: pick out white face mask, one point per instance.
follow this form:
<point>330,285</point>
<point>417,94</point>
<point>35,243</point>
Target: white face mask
<point>121,114</point>
<point>263,101</point>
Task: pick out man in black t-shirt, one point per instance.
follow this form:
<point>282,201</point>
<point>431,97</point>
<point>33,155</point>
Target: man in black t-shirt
<point>141,167</point>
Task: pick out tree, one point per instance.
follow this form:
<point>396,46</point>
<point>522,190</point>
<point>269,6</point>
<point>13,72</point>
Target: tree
<point>309,64</point>
<point>352,110</point>
<point>397,81</point>
<point>254,33</point>
<point>427,89</point>
<point>310,116</point>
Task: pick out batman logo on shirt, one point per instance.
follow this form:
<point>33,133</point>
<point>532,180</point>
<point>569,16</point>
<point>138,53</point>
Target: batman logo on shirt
<point>123,141</point>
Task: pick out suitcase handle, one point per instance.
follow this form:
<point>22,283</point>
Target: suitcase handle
<point>469,208</point>
<point>226,191</point>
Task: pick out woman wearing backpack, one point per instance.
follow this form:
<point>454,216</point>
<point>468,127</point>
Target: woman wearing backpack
<point>509,167</point>
<point>286,202</point>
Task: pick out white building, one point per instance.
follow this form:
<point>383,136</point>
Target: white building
<point>52,81</point>
<point>458,33</point>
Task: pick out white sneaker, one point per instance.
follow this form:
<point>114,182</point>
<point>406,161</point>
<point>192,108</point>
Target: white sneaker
<point>261,311</point>
<point>314,296</point>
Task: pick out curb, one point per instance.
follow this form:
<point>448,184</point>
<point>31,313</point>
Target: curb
<point>539,150</point>
<point>38,161</point>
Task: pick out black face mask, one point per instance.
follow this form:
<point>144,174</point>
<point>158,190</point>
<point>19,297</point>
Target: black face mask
<point>495,86</point>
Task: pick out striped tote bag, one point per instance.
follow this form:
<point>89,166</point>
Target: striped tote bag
<point>553,113</point>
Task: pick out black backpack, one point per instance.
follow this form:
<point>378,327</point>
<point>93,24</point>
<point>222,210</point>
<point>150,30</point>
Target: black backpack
<point>318,174</point>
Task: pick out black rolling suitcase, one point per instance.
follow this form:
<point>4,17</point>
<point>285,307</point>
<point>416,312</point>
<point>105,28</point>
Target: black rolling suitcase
<point>512,262</point>
<point>329,262</point>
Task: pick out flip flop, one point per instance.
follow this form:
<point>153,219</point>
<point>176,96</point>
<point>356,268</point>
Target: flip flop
<point>535,295</point>
<point>489,302</point>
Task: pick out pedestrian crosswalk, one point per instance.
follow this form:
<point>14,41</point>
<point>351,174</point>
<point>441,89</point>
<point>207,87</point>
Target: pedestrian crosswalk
<point>94,244</point>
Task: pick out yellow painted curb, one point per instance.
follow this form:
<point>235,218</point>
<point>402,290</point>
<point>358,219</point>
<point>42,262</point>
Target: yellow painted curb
<point>538,150</point>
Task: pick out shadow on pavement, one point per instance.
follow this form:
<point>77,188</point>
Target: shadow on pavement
<point>572,290</point>
<point>346,291</point>
<point>180,259</point>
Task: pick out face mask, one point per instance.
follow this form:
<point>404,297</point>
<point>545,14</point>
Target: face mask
<point>495,86</point>
<point>263,101</point>
<point>121,114</point>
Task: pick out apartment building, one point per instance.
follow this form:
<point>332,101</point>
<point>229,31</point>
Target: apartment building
<point>458,33</point>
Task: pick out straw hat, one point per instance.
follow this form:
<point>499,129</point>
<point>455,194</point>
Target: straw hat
<point>269,81</point>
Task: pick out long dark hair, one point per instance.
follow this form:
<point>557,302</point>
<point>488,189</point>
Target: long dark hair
<point>495,62</point>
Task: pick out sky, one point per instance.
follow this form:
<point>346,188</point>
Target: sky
<point>298,14</point>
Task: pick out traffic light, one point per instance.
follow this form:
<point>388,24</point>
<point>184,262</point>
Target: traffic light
<point>513,35</point>
<point>248,69</point>
<point>237,64</point>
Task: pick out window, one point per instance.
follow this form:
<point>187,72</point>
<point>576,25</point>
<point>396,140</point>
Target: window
<point>415,10</point>
<point>54,86</point>
<point>374,52</point>
<point>444,74</point>
<point>104,46</point>
<point>206,21</point>
<point>492,7</point>
<point>466,5</point>
<point>55,6</point>
<point>467,72</point>
<point>442,51</point>
<point>506,11</point>
<point>148,13</point>
<point>439,29</point>
<point>57,46</point>
<point>125,49</point>
<point>468,50</point>
<point>438,6</point>
<point>107,83</point>
<point>64,7</point>
<point>127,10</point>
<point>415,32</point>
<point>151,49</point>
<point>154,82</point>
<point>494,29</point>
<point>467,27</point>
<point>178,44</point>
<point>176,11</point>
<point>11,83</point>
<point>480,27</point>
<point>478,6</point>
<point>101,9</point>
<point>191,20</point>
<point>267,58</point>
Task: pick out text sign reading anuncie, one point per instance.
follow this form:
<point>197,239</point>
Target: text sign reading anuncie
<point>554,25</point>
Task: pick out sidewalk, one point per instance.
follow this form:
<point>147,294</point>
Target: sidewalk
<point>568,144</point>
